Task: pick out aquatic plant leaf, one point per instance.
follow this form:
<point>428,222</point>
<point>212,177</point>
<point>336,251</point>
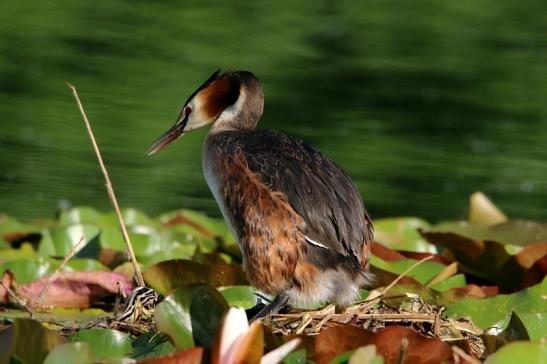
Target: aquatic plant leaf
<point>189,356</point>
<point>519,352</point>
<point>239,296</point>
<point>30,269</point>
<point>191,314</point>
<point>422,273</point>
<point>490,259</point>
<point>58,242</point>
<point>401,233</point>
<point>79,215</point>
<point>105,343</point>
<point>69,289</point>
<point>171,274</point>
<point>75,353</point>
<point>152,344</point>
<point>486,312</point>
<point>336,340</point>
<point>483,211</point>
<point>27,340</point>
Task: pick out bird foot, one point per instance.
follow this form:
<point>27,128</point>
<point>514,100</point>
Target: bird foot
<point>278,304</point>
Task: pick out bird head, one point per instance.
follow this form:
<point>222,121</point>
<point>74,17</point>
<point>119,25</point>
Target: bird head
<point>221,99</point>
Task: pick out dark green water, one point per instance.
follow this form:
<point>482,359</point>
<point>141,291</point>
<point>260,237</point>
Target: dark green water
<point>422,102</point>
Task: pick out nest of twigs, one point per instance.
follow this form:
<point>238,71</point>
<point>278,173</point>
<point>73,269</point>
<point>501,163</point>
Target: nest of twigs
<point>377,313</point>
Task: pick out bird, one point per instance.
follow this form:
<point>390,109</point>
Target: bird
<point>299,220</point>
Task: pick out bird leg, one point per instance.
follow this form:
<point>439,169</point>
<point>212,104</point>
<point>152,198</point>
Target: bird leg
<point>273,307</point>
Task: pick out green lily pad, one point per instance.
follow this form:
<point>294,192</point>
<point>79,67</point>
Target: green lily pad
<point>401,233</point>
<point>296,357</point>
<point>193,222</point>
<point>30,269</point>
<point>4,244</point>
<point>58,242</point>
<point>12,229</point>
<point>190,316</point>
<point>535,324</point>
<point>25,251</point>
<point>171,274</point>
<point>85,265</point>
<point>131,217</point>
<point>513,232</point>
<point>422,273</point>
<point>59,315</point>
<point>105,343</point>
<point>27,340</point>
<point>239,296</point>
<point>455,281</point>
<point>75,353</point>
<point>151,345</point>
<point>514,329</point>
<point>112,238</point>
<point>81,353</point>
<point>175,251</point>
<point>79,215</point>
<point>485,312</point>
<point>519,352</point>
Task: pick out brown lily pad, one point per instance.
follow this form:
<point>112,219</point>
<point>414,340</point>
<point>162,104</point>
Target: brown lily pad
<point>171,274</point>
<point>508,254</point>
<point>396,344</point>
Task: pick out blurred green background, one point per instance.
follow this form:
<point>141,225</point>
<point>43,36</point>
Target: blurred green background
<point>422,102</point>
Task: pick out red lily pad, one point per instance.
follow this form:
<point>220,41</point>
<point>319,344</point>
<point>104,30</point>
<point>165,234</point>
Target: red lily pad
<point>68,289</point>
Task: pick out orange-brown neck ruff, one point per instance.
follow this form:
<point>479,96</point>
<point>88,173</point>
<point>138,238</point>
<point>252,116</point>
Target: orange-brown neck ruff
<point>220,94</point>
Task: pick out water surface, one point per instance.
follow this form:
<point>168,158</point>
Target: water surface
<point>421,102</point>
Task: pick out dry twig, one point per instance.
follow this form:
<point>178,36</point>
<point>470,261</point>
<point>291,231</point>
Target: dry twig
<point>20,301</point>
<point>110,189</point>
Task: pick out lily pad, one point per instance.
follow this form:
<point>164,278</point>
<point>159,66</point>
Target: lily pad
<point>422,273</point>
<point>455,281</point>
<point>484,251</point>
<point>151,345</point>
<point>483,211</point>
<point>193,222</point>
<point>512,232</point>
<point>60,241</point>
<point>25,251</point>
<point>189,356</point>
<point>28,270</point>
<point>191,315</point>
<point>401,233</point>
<point>79,215</point>
<point>239,296</point>
<point>485,312</point>
<point>27,340</point>
<point>171,274</point>
<point>519,352</point>
<point>131,217</point>
<point>12,229</point>
<point>75,353</point>
<point>105,343</point>
<point>85,265</point>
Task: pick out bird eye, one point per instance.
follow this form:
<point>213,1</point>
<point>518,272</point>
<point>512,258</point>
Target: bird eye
<point>187,110</point>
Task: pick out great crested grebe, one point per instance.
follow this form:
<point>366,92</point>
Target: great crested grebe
<point>297,216</point>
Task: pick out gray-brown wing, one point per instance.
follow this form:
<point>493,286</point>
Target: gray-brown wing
<point>316,188</point>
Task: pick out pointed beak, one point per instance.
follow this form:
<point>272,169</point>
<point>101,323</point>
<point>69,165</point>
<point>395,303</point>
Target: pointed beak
<point>168,137</point>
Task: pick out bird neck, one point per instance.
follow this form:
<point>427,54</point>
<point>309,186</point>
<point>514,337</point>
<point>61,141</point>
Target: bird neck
<point>245,113</point>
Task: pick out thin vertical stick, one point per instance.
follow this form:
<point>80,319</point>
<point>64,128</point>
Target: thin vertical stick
<point>110,189</point>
